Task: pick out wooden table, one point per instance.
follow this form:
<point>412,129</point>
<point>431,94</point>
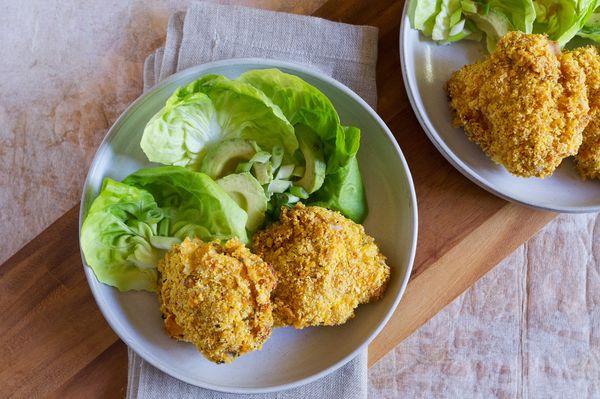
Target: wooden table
<point>54,341</point>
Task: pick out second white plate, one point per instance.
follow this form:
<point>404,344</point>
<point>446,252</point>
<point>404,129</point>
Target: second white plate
<point>426,67</point>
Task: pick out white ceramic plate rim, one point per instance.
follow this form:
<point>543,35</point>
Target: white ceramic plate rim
<point>121,330</point>
<point>413,94</point>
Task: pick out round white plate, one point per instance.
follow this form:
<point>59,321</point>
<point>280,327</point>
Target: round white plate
<point>426,67</point>
<point>290,357</point>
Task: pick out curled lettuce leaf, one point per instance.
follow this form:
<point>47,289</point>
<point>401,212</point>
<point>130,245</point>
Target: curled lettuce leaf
<point>520,13</point>
<point>307,107</point>
<point>346,147</point>
<point>116,237</point>
<point>497,17</point>
<point>591,29</point>
<point>210,109</point>
<point>131,224</point>
<point>450,20</point>
<point>266,107</point>
<point>422,15</point>
<point>343,191</point>
<point>179,133</point>
<point>300,102</point>
<point>245,112</point>
<point>195,205</point>
<point>562,19</point>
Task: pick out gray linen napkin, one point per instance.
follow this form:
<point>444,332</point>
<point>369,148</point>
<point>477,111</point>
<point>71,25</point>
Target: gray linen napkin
<point>209,32</point>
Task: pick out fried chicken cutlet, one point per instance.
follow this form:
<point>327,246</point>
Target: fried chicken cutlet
<point>217,297</point>
<point>525,105</point>
<point>326,266</point>
<point>587,160</point>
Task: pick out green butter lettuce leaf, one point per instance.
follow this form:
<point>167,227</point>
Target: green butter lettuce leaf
<point>116,237</point>
<point>449,15</point>
<point>420,14</point>
<point>193,203</point>
<point>347,142</point>
<point>131,224</point>
<point>300,102</point>
<point>211,109</point>
<point>343,191</point>
<point>519,13</point>
<point>562,19</point>
<point>495,18</point>
<point>591,29</point>
<point>242,111</point>
<point>179,133</point>
<point>494,25</point>
<point>448,21</point>
<point>305,106</point>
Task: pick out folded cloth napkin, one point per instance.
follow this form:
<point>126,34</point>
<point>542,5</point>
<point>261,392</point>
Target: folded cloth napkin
<point>209,32</point>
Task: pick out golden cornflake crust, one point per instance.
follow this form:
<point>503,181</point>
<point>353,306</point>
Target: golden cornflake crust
<point>326,266</point>
<point>525,105</point>
<point>217,297</point>
<point>587,159</point>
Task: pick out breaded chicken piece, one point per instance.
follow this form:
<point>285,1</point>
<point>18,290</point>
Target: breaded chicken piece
<point>587,160</point>
<point>326,266</point>
<point>217,297</point>
<point>525,105</point>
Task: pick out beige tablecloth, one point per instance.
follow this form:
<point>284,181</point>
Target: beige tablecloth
<point>530,328</point>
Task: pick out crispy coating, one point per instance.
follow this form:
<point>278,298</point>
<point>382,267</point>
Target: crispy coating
<point>587,160</point>
<point>326,266</point>
<point>525,105</point>
<point>217,297</point>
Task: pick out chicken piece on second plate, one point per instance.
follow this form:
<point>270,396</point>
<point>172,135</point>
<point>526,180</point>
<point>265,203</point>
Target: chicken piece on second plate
<point>525,105</point>
<point>587,159</point>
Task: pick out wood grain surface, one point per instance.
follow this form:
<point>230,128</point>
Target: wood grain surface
<point>54,341</point>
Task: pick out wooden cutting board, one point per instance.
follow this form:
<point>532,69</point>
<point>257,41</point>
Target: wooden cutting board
<point>54,341</point>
